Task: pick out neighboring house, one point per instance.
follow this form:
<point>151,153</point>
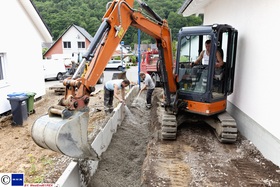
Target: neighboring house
<point>22,34</point>
<point>122,52</point>
<point>73,43</point>
<point>74,40</point>
<point>255,102</point>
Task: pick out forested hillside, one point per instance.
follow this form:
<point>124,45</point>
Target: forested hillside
<point>60,14</point>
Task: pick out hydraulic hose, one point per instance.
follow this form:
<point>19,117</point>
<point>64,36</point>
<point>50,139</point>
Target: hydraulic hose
<point>96,39</point>
<point>150,12</point>
<point>93,46</point>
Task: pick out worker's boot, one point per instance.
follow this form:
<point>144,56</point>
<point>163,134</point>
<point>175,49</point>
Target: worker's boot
<point>148,106</point>
<point>111,108</point>
<point>106,110</point>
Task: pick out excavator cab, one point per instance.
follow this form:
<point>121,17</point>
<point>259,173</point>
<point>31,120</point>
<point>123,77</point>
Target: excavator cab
<point>203,87</point>
<point>206,83</point>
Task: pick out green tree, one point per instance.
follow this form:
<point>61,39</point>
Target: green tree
<point>60,14</point>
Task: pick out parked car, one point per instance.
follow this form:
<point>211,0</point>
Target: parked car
<point>115,64</point>
<point>101,79</point>
<point>54,69</point>
<point>71,71</point>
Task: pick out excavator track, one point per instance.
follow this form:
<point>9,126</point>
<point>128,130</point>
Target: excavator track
<point>168,126</point>
<point>225,128</point>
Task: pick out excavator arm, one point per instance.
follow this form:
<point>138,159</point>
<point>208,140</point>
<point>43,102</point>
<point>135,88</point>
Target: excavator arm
<point>64,129</point>
<point>116,21</point>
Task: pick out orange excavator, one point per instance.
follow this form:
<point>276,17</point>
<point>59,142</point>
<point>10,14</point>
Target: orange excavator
<point>192,93</point>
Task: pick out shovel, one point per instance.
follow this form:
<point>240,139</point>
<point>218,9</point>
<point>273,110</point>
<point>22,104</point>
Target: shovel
<point>135,102</point>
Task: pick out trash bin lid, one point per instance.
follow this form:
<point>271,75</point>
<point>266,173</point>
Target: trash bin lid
<point>30,94</point>
<point>16,94</point>
<point>18,98</point>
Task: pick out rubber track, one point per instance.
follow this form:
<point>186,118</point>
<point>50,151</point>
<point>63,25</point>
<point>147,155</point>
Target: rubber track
<point>227,130</point>
<point>168,127</point>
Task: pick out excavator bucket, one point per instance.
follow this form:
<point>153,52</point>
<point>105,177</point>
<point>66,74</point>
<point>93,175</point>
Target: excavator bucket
<point>66,136</point>
<point>121,75</point>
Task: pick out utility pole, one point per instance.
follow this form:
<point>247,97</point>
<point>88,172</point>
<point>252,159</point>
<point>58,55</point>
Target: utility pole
<point>122,43</point>
<point>139,57</point>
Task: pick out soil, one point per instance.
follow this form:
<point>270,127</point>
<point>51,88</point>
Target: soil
<point>136,156</point>
<point>20,154</point>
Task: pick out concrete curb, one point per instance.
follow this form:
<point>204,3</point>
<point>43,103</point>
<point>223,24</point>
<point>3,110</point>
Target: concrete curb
<point>79,173</point>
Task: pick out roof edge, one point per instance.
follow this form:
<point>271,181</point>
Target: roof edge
<point>37,20</point>
<point>184,6</point>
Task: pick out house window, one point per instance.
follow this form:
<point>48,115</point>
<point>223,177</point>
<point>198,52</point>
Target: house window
<point>81,45</point>
<point>2,69</point>
<point>66,44</point>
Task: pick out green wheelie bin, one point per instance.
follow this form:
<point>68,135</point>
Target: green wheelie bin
<point>30,102</point>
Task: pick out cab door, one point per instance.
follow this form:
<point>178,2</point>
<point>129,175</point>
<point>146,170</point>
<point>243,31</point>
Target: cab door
<point>231,59</point>
<point>223,79</point>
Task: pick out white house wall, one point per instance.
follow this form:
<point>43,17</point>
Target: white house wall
<point>257,70</point>
<point>194,52</point>
<point>21,43</point>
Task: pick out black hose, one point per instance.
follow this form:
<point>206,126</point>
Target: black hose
<point>151,12</point>
<point>96,39</point>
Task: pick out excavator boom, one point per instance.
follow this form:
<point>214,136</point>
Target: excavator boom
<point>116,21</point>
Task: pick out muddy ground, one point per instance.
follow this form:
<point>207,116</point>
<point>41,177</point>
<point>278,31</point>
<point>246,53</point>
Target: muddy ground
<point>136,156</point>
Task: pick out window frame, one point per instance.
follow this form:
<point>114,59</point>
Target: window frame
<point>3,74</point>
<point>67,45</point>
<point>81,45</point>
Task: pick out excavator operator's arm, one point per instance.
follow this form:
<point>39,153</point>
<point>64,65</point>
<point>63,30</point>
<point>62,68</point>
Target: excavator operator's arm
<point>118,18</point>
